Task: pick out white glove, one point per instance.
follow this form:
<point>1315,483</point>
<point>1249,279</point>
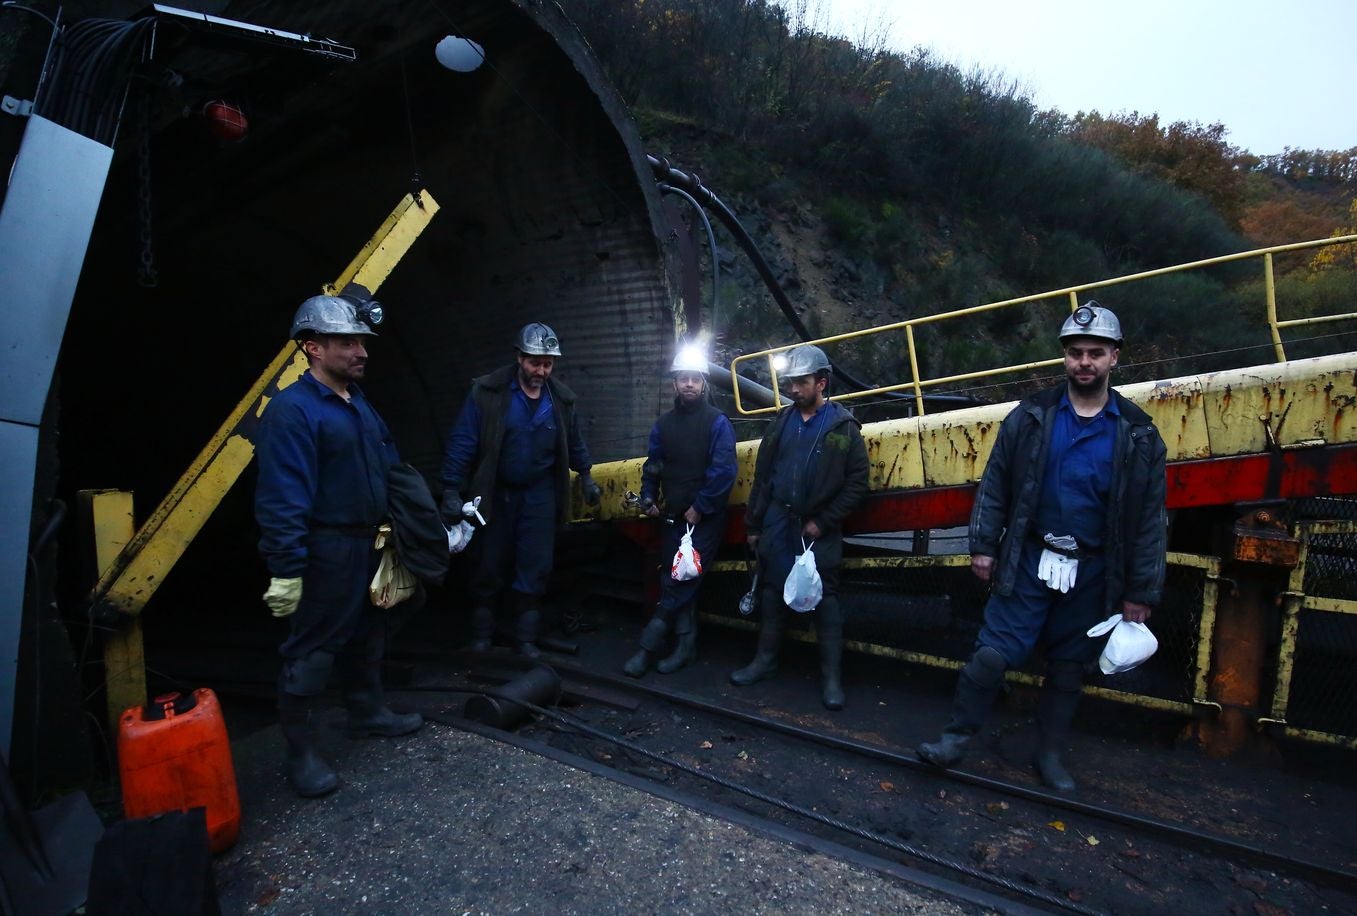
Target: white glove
<point>1055,569</point>
<point>283,596</point>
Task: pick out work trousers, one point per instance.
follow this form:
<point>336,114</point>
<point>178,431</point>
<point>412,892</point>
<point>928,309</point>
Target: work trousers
<point>1034,612</point>
<point>516,547</point>
<point>675,593</point>
<point>335,610</point>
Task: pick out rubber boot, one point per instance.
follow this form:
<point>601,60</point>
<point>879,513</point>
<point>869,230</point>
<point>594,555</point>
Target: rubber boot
<point>652,640</point>
<point>482,629</point>
<point>829,633</point>
<point>528,628</point>
<point>764,664</point>
<point>979,683</point>
<point>306,770</point>
<point>1055,712</point>
<point>360,672</point>
<point>685,651</point>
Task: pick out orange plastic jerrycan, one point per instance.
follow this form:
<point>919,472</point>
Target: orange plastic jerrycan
<point>173,755</point>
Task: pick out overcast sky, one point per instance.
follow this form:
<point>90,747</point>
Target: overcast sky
<point>1275,74</point>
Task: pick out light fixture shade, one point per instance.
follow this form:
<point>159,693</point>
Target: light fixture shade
<point>460,54</point>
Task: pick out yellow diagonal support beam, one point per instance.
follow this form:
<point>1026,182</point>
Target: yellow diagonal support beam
<point>144,563</point>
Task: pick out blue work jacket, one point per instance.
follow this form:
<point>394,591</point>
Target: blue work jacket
<point>323,463</point>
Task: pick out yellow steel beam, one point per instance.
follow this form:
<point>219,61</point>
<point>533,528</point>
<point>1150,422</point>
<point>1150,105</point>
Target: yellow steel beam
<point>1298,404</point>
<point>129,582</point>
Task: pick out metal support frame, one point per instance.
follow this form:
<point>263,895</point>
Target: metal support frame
<point>129,582</point>
<point>1295,602</point>
<point>45,225</point>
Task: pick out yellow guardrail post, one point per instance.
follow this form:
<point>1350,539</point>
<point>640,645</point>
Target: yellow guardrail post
<point>128,583</point>
<point>1271,287</point>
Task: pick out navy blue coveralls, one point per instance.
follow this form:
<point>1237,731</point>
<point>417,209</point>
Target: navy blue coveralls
<point>677,476</point>
<point>321,494</point>
<point>1075,487</point>
<point>516,546</point>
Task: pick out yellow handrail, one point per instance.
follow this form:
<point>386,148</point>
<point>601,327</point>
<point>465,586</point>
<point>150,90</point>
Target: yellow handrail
<point>917,384</point>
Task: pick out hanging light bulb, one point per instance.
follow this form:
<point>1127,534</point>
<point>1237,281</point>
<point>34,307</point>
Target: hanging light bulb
<point>460,54</point>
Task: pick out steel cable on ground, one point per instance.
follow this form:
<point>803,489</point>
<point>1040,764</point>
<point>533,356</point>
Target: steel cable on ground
<point>860,832</point>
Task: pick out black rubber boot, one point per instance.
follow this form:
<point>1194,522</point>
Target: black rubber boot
<point>528,628</point>
<point>976,688</point>
<point>307,771</point>
<point>764,664</point>
<point>482,629</point>
<point>829,633</point>
<point>360,672</point>
<point>685,650</point>
<point>1055,712</point>
<point>652,640</point>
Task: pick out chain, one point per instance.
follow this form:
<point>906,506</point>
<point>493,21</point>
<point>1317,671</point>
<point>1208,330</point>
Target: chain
<point>146,270</point>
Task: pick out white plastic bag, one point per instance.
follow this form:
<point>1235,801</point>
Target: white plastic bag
<point>459,535</point>
<point>687,561</point>
<point>392,583</point>
<point>803,589</point>
<point>1130,644</point>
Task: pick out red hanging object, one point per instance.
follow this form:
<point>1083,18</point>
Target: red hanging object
<point>226,121</point>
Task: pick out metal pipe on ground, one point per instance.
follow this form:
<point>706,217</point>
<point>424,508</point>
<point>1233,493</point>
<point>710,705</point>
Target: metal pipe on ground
<point>508,707</point>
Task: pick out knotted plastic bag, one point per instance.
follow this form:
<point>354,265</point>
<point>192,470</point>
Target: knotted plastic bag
<point>459,535</point>
<point>687,561</point>
<point>803,589</point>
<point>1130,644</point>
<point>392,583</point>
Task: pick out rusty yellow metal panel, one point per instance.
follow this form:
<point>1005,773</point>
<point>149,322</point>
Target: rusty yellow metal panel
<point>128,583</point>
<point>956,445</point>
<point>1304,402</point>
<point>895,455</point>
<point>1177,408</point>
<point>616,477</point>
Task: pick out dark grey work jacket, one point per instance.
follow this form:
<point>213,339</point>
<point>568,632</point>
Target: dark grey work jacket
<point>1006,502</point>
<point>840,482</point>
<point>491,393</point>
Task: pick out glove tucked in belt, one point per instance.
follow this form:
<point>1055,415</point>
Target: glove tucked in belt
<point>1059,563</point>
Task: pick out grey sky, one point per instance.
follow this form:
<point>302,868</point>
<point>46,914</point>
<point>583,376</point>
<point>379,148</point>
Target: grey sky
<point>1274,74</point>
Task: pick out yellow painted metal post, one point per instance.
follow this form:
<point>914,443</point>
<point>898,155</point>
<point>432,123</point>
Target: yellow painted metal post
<point>1271,288</point>
<point>129,582</point>
<point>914,370</point>
<point>109,513</point>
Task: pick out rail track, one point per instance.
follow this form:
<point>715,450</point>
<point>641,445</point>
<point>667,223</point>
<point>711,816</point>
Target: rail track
<point>1014,846</point>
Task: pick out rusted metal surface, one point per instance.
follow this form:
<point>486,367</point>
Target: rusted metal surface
<point>1249,434</point>
<point>1260,537</point>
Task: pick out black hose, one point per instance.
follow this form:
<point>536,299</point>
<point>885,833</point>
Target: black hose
<point>670,177</point>
<point>711,242</point>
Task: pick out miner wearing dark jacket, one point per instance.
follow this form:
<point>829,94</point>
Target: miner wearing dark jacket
<point>690,465</point>
<point>514,445</point>
<point>1068,528</point>
<point>324,456</point>
<point>811,471</point>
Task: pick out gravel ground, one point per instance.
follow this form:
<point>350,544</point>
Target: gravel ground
<point>449,822</point>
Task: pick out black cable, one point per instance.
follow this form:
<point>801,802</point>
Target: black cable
<point>711,242</point>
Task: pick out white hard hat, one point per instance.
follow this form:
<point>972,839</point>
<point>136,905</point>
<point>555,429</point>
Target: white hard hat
<point>806,359</point>
<point>537,339</point>
<point>328,315</point>
<point>1092,320</point>
<point>689,359</point>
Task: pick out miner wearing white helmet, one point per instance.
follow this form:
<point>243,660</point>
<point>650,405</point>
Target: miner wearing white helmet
<point>687,477</point>
<point>1068,528</point>
<point>324,455</point>
<point>514,445</point>
<point>811,471</point>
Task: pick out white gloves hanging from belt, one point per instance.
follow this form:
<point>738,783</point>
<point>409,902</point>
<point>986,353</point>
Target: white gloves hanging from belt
<point>1057,569</point>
